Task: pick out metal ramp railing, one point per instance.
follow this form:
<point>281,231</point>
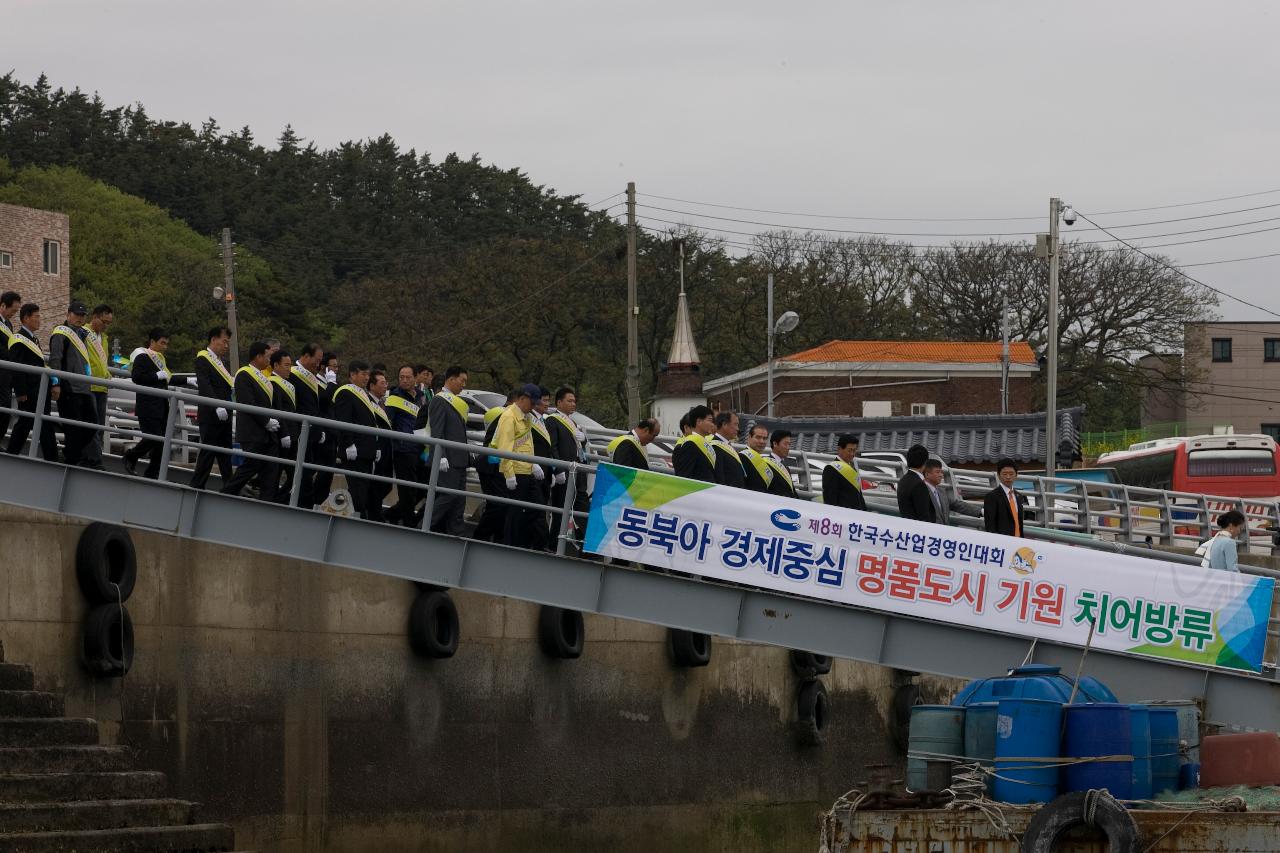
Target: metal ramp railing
<point>1231,697</point>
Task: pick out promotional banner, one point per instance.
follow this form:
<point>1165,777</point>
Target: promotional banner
<point>947,574</point>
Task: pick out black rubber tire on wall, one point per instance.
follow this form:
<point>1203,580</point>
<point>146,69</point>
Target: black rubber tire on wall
<point>433,624</point>
<point>813,710</point>
<point>108,641</point>
<point>1054,820</point>
<point>689,648</point>
<point>561,633</point>
<point>105,559</point>
<point>809,664</point>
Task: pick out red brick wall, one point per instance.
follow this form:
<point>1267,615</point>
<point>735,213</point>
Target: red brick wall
<point>23,231</point>
<point>955,396</point>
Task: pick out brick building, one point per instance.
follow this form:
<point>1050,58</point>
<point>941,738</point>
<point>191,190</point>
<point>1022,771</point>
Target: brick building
<point>884,379</point>
<point>35,254</point>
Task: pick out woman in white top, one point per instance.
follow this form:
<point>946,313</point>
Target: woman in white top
<point>1220,551</point>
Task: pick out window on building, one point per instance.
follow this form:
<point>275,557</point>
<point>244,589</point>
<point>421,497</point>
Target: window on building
<point>6,260</point>
<point>1271,349</point>
<point>51,257</point>
<point>1272,430</point>
<point>1222,349</point>
<point>924,409</point>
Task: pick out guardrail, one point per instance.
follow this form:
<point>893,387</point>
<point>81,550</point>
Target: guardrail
<point>1075,517</point>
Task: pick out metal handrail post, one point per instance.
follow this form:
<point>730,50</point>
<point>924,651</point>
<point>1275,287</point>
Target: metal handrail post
<point>167,448</point>
<point>566,518</point>
<point>429,506</point>
<point>38,421</point>
<point>300,460</point>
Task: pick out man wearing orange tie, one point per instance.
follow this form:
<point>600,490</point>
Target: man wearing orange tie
<point>1004,509</point>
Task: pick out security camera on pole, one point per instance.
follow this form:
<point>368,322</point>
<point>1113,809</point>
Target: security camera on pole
<point>786,323</point>
<point>1047,246</point>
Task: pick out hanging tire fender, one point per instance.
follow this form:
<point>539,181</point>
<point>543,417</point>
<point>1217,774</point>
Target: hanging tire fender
<point>561,632</point>
<point>106,563</point>
<point>108,641</point>
<point>689,648</point>
<point>810,664</point>
<point>813,710</point>
<point>433,624</point>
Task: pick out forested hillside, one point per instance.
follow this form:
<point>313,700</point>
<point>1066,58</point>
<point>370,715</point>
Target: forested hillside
<point>395,254</point>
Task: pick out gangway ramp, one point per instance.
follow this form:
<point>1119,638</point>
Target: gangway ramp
<point>1231,697</point>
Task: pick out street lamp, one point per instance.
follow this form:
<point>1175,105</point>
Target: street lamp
<point>1048,245</point>
<point>786,323</point>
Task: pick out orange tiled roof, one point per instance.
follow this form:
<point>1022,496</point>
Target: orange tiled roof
<point>967,352</point>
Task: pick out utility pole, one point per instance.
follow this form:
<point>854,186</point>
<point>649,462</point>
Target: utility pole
<point>229,294</point>
<point>633,314</point>
<point>769,370</point>
<point>1051,385</point>
<point>1004,355</point>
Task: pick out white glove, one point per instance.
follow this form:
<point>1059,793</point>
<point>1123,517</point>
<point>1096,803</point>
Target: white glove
<point>286,442</point>
<point>163,374</point>
<point>351,453</point>
<point>330,376</point>
<point>377,456</point>
<point>273,425</point>
<point>444,465</point>
<point>191,380</point>
<point>579,436</point>
<point>320,440</point>
<point>538,473</point>
<point>222,413</point>
<point>511,483</point>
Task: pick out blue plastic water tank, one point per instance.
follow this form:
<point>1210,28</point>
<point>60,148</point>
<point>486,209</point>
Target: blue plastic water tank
<point>1028,732</point>
<point>1164,749</point>
<point>1140,736</point>
<point>937,731</point>
<point>1094,730</point>
<point>1033,681</point>
<point>980,735</point>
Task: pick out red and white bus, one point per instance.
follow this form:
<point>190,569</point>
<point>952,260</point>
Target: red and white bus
<point>1237,466</point>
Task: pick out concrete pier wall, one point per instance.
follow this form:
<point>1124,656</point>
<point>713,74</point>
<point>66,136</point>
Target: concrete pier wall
<point>284,697</point>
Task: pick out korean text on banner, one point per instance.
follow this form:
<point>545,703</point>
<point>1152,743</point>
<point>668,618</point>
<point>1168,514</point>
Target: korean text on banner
<point>967,577</point>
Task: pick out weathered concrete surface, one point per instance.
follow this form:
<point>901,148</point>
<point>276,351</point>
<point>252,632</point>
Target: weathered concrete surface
<point>283,696</point>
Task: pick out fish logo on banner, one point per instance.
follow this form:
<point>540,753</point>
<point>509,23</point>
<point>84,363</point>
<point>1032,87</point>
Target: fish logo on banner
<point>785,519</point>
<point>1024,560</point>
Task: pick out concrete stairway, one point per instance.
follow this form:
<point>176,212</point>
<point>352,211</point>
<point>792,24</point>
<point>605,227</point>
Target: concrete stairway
<point>60,790</point>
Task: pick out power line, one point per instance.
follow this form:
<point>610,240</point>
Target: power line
<point>1232,260</point>
<point>946,219</point>
<point>1175,269</point>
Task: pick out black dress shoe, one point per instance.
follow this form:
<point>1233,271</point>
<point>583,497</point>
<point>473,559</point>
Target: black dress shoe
<point>131,465</point>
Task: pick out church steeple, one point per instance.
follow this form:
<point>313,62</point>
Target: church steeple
<point>684,352</point>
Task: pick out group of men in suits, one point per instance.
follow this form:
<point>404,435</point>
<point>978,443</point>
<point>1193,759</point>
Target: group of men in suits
<point>922,497</point>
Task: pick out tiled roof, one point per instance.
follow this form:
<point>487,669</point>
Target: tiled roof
<point>957,439</point>
<point>962,352</point>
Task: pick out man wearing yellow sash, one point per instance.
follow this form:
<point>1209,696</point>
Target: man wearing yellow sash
<point>149,370</point>
<point>515,435</point>
<point>256,431</point>
<point>96,342</point>
<point>215,382</point>
<point>10,303</point>
<point>757,470</point>
<point>693,457</point>
<point>779,449</point>
<point>25,349</point>
<point>285,399</point>
<point>729,467</point>
<point>628,449</point>
<point>841,483</point>
<point>447,417</point>
<point>406,463</point>
<point>358,451</point>
<point>312,397</point>
<point>68,351</point>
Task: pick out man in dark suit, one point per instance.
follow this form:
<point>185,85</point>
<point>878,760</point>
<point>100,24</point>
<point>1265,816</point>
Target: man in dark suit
<point>150,370</point>
<point>729,467</point>
<point>285,399</point>
<point>356,450</point>
<point>998,508</point>
<point>914,501</point>
<point>781,483</point>
<point>628,449</point>
<point>447,414</point>
<point>256,432</point>
<point>307,387</point>
<point>570,443</point>
<point>693,457</point>
<point>24,348</point>
<point>841,483</point>
<point>214,381</point>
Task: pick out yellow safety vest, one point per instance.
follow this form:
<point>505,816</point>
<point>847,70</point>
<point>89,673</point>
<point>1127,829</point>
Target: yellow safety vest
<point>98,359</point>
<point>514,435</point>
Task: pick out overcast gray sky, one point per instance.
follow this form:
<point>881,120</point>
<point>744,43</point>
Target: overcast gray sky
<point>880,109</point>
